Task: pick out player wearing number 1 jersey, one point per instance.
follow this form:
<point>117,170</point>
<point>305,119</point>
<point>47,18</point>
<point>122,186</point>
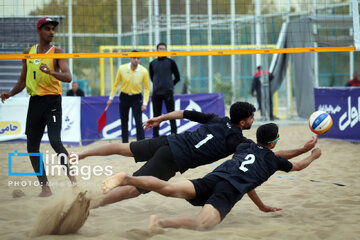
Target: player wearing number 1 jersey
<point>251,165</point>
<point>216,138</point>
<point>42,79</point>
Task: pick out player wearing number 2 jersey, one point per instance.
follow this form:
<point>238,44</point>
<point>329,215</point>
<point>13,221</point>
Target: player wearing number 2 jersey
<point>251,165</point>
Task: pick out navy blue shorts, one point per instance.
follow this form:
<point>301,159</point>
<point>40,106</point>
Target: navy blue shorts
<point>216,191</point>
<point>159,159</point>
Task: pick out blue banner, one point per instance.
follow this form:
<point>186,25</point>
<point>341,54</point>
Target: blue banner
<point>92,108</point>
<point>343,104</point>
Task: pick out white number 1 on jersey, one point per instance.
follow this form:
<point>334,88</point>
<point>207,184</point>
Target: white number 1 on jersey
<point>250,159</point>
<point>202,142</point>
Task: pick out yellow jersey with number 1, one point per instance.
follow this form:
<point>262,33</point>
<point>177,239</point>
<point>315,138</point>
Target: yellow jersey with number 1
<point>39,83</point>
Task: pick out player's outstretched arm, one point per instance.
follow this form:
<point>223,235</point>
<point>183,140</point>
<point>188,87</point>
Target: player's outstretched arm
<point>300,165</point>
<point>256,199</point>
<point>154,122</point>
<point>288,154</point>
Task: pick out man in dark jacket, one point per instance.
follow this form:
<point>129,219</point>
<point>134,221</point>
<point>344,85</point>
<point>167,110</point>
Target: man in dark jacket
<point>161,71</point>
<point>257,85</point>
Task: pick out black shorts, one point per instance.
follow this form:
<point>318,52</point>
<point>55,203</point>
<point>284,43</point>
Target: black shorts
<point>158,157</point>
<point>217,192</point>
<point>44,111</point>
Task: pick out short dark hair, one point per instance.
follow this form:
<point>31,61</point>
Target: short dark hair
<point>267,133</point>
<point>160,44</point>
<point>258,67</point>
<point>240,111</point>
<point>135,51</point>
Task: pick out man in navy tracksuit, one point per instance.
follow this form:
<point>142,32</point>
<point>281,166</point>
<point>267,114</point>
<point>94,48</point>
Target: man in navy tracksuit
<point>161,71</point>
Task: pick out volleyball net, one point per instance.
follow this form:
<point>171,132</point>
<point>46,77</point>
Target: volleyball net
<point>86,25</point>
<point>212,41</point>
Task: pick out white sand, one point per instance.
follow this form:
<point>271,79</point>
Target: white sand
<point>311,210</point>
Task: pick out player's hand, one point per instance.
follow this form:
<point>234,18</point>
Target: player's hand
<point>152,122</point>
<point>310,144</point>
<point>4,96</point>
<point>270,209</point>
<point>143,108</point>
<point>109,102</point>
<point>316,153</point>
<point>44,68</point>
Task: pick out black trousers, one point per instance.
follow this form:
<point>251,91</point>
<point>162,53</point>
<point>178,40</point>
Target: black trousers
<point>157,101</point>
<point>134,102</point>
<point>262,108</point>
<point>44,111</point>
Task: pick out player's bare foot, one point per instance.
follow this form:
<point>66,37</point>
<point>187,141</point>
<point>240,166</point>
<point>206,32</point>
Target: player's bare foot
<point>113,181</point>
<point>154,226</point>
<point>45,192</point>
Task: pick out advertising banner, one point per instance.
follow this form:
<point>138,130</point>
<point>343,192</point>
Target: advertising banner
<point>343,104</point>
<point>13,120</point>
<point>93,107</point>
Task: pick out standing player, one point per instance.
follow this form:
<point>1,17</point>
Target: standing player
<point>251,165</point>
<point>42,79</point>
<point>216,138</point>
<point>161,71</point>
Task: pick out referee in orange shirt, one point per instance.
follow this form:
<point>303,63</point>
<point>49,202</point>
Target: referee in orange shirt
<point>133,77</point>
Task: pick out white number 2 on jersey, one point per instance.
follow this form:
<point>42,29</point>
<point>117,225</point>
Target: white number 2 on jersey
<point>250,159</point>
<point>202,142</point>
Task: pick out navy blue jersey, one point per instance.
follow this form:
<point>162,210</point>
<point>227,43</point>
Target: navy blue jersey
<point>215,139</point>
<point>250,166</point>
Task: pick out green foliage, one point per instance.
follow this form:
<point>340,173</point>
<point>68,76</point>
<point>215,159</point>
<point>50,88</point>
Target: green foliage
<point>224,88</point>
<point>100,16</point>
<point>89,16</point>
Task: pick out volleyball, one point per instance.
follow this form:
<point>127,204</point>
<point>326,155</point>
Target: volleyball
<point>320,122</point>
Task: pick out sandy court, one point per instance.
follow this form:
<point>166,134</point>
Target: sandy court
<point>311,210</point>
